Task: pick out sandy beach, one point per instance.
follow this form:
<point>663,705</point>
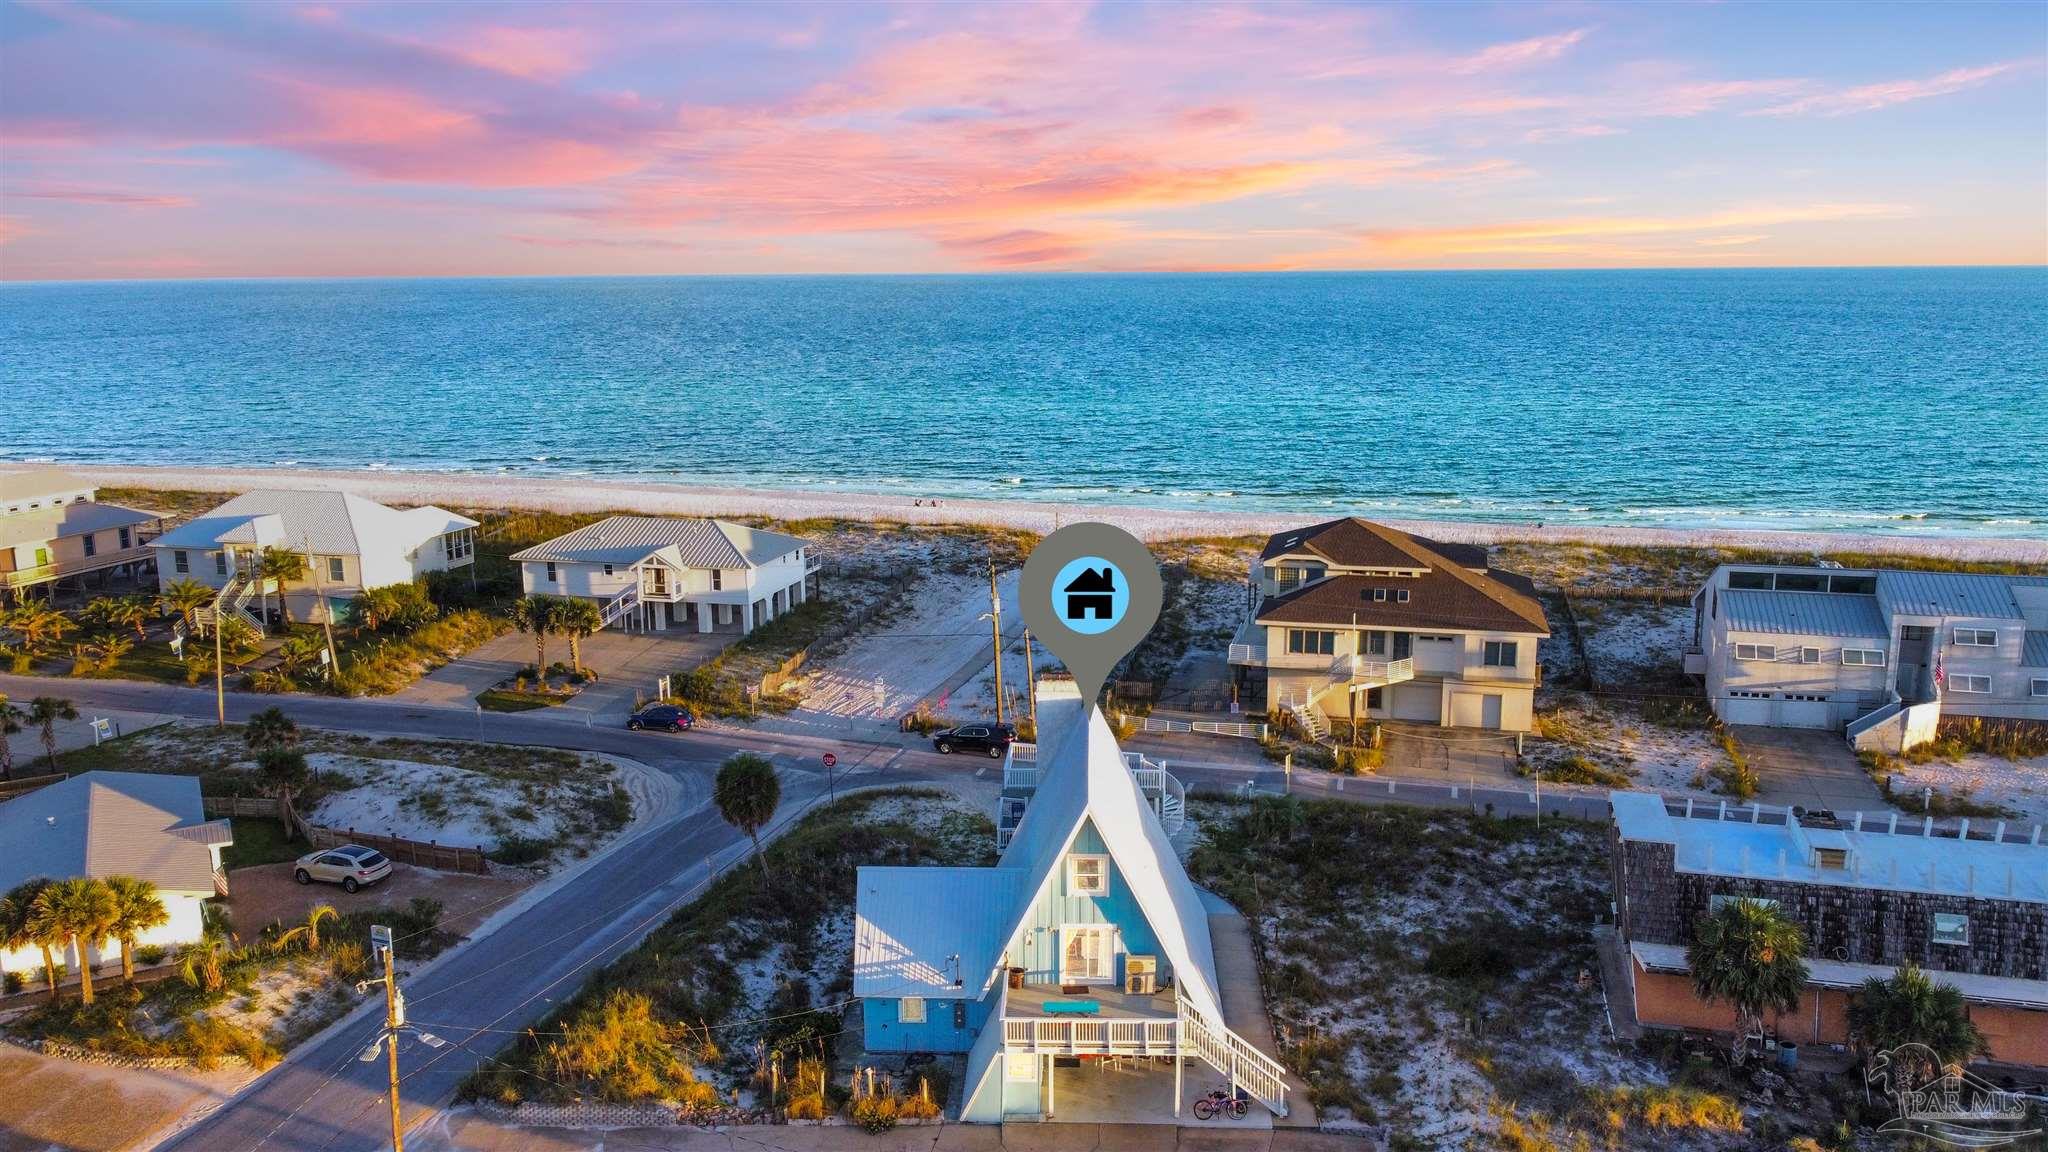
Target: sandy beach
<point>584,494</point>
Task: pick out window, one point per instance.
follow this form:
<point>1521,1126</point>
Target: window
<point>1802,582</point>
<point>181,561</point>
<point>1863,657</point>
<point>92,546</point>
<point>1379,595</point>
<point>1404,645</point>
<point>1809,655</point>
<point>2040,687</point>
<point>1977,637</point>
<point>1754,580</point>
<point>220,563</point>
<point>1438,639</point>
<point>1401,595</point>
<point>1500,654</point>
<point>335,571</point>
<point>1951,928</point>
<point>42,557</point>
<point>1854,585</point>
<point>1308,641</point>
<point>127,539</point>
<point>1375,644</point>
<point>1756,652</point>
<point>1973,684</point>
<point>1087,875</point>
<point>1716,903</point>
<point>717,579</point>
<point>910,1010</point>
<point>551,571</point>
<point>607,569</point>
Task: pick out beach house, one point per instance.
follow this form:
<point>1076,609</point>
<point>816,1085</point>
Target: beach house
<point>146,825</point>
<point>1880,654</point>
<point>52,529</point>
<point>348,544</point>
<point>1357,621</point>
<point>660,572</point>
<point>1085,943</point>
<point>1869,893</point>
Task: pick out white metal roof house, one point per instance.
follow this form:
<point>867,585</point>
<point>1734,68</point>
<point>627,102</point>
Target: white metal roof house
<point>1088,911</point>
<point>1967,903</point>
<point>1881,654</point>
<point>658,572</point>
<point>351,545</point>
<point>99,824</point>
<point>51,527</point>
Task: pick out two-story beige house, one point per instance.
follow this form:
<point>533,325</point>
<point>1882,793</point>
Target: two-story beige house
<point>661,572</point>
<point>1352,620</point>
<point>52,529</point>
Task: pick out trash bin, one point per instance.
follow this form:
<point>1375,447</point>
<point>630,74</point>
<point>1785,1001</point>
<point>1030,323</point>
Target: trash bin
<point>1016,977</point>
<point>1788,1056</point>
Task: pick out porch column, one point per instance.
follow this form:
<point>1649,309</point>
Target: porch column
<point>704,617</point>
<point>1176,1071</point>
<point>1050,1110</point>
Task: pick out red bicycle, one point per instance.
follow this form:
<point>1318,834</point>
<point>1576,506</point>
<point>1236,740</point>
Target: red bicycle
<point>1221,1103</point>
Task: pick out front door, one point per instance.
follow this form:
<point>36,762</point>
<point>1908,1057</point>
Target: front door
<point>1084,954</point>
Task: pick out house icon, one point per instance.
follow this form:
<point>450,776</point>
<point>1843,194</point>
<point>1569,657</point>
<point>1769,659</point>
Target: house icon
<point>1091,594</point>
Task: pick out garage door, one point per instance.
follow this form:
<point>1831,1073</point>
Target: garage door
<point>1746,710</point>
<point>1472,710</point>
<point>1805,714</point>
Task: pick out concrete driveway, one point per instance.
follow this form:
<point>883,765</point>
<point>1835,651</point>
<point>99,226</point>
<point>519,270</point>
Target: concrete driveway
<point>1808,767</point>
<point>625,662</point>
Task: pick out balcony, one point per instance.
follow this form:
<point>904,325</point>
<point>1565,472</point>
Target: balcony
<point>1370,671</point>
<point>1248,646</point>
<point>44,573</point>
<point>1124,1024</point>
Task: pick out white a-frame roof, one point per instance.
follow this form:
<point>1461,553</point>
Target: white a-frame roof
<point>1082,777</point>
<point>939,932</point>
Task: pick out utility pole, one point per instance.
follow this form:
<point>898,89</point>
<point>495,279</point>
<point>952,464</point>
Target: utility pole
<point>220,682</point>
<point>394,1026</point>
<point>1031,683</point>
<point>995,617</point>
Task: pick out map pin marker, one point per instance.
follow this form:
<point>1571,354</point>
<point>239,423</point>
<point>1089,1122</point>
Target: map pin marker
<point>1090,592</point>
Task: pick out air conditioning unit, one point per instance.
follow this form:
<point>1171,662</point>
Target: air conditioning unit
<point>1141,975</point>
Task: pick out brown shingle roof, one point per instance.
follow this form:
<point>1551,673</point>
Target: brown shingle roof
<point>1448,595</point>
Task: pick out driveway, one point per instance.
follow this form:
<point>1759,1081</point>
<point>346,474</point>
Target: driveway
<point>64,1104</point>
<point>268,893</point>
<point>625,663</point>
<point>1808,767</point>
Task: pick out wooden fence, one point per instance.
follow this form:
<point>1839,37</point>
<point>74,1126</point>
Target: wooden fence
<point>418,853</point>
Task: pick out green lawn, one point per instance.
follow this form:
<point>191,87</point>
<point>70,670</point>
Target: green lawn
<point>500,700</point>
<point>259,840</point>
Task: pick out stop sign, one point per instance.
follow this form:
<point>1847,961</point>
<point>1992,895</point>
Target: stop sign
<point>831,761</point>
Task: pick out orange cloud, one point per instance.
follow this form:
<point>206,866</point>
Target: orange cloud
<point>1571,234</point>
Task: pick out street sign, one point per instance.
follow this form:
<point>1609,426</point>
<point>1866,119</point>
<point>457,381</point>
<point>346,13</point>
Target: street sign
<point>380,936</point>
<point>831,761</point>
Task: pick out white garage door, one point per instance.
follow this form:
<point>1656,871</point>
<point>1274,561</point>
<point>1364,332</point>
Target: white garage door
<point>1805,714</point>
<point>1746,710</point>
<point>1472,710</point>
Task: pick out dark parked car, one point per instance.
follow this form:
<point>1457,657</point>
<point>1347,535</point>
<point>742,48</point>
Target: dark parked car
<point>992,739</point>
<point>666,717</point>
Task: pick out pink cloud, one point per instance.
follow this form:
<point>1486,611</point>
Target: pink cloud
<point>121,197</point>
<point>1871,97</point>
<point>1519,53</point>
<point>533,53</point>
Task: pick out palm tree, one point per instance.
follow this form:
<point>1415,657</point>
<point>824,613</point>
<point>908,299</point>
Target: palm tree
<point>280,566</point>
<point>82,911</point>
<point>44,712</point>
<point>270,728</point>
<point>536,614</point>
<point>20,928</point>
<point>297,652</point>
<point>184,597</point>
<point>130,612</point>
<point>10,724</point>
<point>1911,1008</point>
<point>200,962</point>
<point>577,619</point>
<point>310,930</point>
<point>284,769</point>
<point>137,909</point>
<point>100,611</point>
<point>1750,955</point>
<point>747,793</point>
<point>39,625</point>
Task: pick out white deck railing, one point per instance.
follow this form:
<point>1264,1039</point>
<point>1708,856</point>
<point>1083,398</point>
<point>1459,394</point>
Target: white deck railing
<point>1235,1057</point>
<point>618,607</point>
<point>1089,1036</point>
<point>1363,670</point>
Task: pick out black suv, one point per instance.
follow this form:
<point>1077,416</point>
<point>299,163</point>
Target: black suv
<point>666,717</point>
<point>990,738</point>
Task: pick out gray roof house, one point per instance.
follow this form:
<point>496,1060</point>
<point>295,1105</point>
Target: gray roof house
<point>140,824</point>
<point>658,572</point>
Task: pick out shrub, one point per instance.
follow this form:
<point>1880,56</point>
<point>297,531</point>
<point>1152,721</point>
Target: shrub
<point>1737,777</point>
<point>12,982</point>
<point>1577,769</point>
<point>623,1053</point>
<point>875,1114</point>
<point>348,962</point>
<point>1360,759</point>
<point>151,953</point>
<point>206,1040</point>
<point>518,851</point>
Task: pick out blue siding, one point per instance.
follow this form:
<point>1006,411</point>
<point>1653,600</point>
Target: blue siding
<point>1036,946</point>
<point>883,1032</point>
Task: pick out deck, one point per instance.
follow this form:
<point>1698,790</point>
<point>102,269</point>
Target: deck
<point>1029,1001</point>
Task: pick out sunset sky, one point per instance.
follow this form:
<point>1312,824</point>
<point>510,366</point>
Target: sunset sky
<point>336,139</point>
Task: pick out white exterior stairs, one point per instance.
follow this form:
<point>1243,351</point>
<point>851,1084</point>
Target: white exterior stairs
<point>1354,673</point>
<point>234,600</point>
<point>621,607</point>
<point>1191,1032</point>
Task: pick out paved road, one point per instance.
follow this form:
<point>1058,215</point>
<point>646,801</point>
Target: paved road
<point>322,1097</point>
